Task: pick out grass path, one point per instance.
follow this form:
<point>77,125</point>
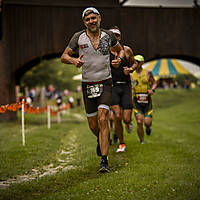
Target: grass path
<point>62,162</point>
<point>166,167</point>
<point>64,158</point>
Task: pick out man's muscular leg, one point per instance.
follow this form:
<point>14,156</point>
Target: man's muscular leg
<point>140,130</point>
<point>148,122</point>
<point>103,120</point>
<point>118,123</point>
<point>127,116</point>
<point>93,124</point>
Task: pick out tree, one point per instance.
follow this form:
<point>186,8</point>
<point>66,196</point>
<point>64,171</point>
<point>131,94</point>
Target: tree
<point>51,72</point>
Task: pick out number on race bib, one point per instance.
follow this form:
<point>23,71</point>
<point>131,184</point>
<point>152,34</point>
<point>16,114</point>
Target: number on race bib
<point>94,90</point>
<point>142,98</point>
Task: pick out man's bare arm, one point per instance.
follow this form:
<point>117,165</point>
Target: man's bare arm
<point>153,82</point>
<point>119,50</point>
<point>130,57</point>
<point>129,54</point>
<point>120,55</point>
<point>68,59</point>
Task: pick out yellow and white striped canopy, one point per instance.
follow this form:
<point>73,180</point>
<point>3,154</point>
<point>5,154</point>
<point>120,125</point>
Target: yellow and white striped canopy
<point>166,68</point>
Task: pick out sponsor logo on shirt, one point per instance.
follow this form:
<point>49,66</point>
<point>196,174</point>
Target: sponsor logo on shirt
<point>83,46</point>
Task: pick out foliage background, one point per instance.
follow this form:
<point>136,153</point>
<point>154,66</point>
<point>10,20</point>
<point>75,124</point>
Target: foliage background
<point>51,72</point>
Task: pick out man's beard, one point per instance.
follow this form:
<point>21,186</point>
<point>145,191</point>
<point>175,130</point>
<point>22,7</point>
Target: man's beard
<point>95,29</point>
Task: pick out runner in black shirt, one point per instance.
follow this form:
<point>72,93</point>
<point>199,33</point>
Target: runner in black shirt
<point>121,93</point>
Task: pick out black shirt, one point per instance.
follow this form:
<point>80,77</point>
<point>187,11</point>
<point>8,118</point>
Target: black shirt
<point>118,73</point>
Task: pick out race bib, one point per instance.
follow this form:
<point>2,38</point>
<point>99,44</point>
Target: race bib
<point>142,98</point>
<point>94,90</point>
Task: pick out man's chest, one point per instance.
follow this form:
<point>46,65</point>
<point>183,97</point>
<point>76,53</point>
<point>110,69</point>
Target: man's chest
<point>94,45</point>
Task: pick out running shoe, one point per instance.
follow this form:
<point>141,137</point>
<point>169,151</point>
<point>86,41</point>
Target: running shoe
<point>122,148</point>
<point>115,138</point>
<point>129,127</point>
<point>148,131</point>
<point>98,150</point>
<point>104,166</point>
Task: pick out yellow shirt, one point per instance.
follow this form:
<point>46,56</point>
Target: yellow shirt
<point>141,83</point>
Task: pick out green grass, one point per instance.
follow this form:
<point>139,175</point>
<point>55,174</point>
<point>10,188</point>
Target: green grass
<point>166,167</point>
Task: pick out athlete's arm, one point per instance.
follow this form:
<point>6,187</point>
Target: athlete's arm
<point>70,50</point>
<point>120,52</point>
<point>68,59</point>
<point>129,54</point>
<point>66,56</point>
<point>153,82</point>
<point>120,55</point>
<point>130,57</point>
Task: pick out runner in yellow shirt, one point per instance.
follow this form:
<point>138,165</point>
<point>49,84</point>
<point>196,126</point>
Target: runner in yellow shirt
<point>144,86</point>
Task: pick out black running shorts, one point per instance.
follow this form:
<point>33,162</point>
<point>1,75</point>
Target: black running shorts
<point>143,108</point>
<point>103,101</point>
<point>122,96</point>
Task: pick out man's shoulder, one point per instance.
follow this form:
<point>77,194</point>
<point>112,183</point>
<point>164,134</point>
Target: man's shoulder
<point>111,36</point>
<point>73,44</point>
<point>127,48</point>
<point>78,33</point>
<point>147,71</point>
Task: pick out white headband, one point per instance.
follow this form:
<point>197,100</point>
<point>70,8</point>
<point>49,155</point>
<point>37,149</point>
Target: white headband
<point>92,9</point>
<point>114,30</point>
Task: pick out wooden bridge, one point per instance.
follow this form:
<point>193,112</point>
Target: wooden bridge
<point>35,29</point>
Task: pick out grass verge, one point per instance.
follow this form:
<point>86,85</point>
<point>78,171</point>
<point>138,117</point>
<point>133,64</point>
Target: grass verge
<point>166,167</point>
